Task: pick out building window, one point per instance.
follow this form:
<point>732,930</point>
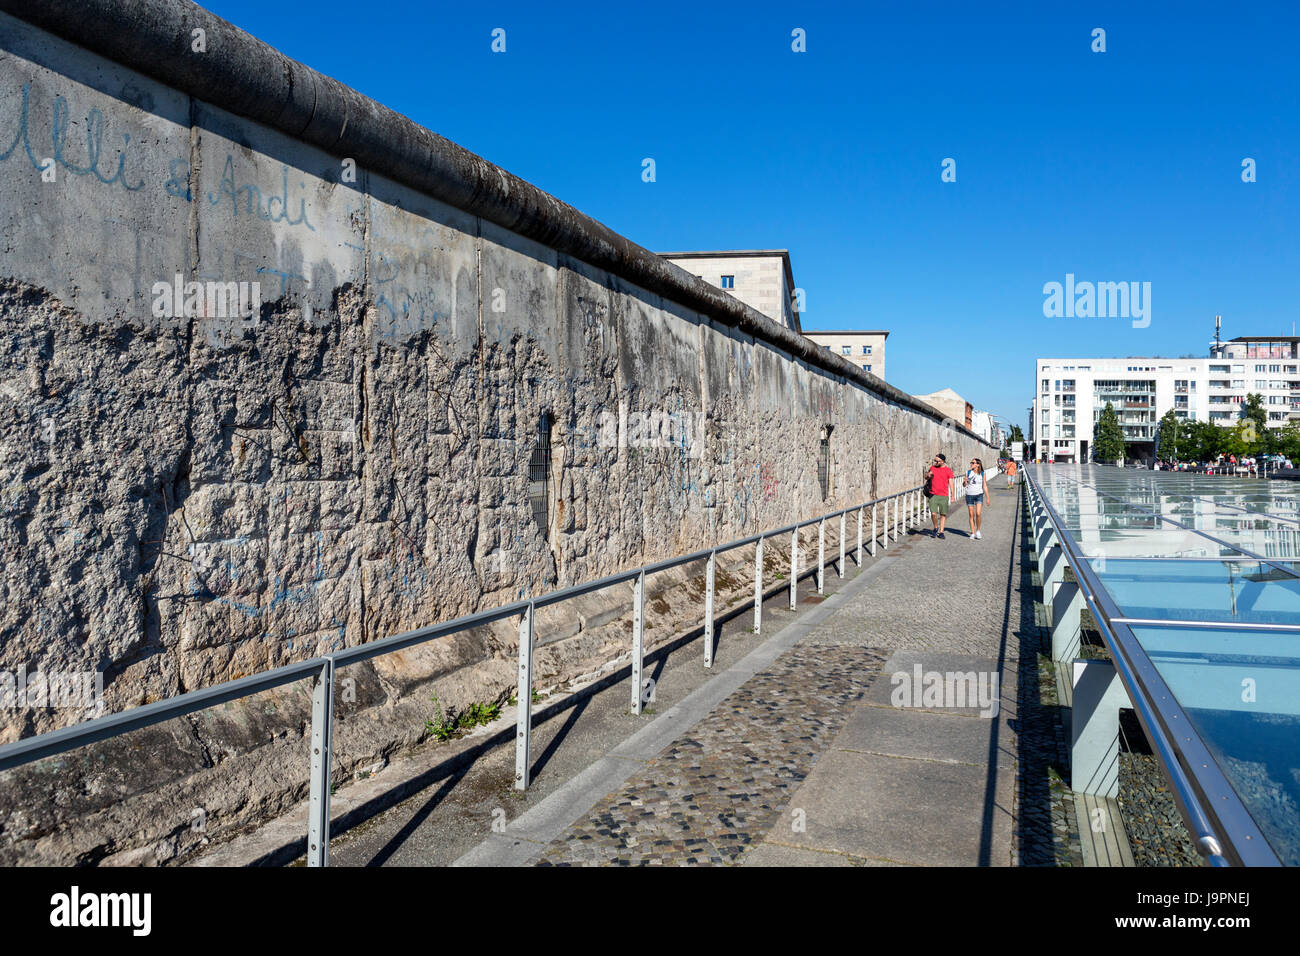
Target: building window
<point>539,475</point>
<point>824,463</point>
<point>866,350</point>
<point>846,350</point>
<point>868,368</point>
<point>728,282</point>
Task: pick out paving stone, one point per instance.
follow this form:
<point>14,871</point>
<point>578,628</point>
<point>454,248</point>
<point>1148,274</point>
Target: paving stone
<point>810,764</point>
<point>719,788</point>
<point>928,735</point>
<point>905,810</point>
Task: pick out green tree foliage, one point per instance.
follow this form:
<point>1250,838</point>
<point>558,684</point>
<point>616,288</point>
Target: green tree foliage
<point>1169,435</point>
<point>1204,441</point>
<point>1107,436</point>
<point>1287,440</point>
<point>1253,434</point>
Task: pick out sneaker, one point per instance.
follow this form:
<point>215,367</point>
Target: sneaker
<point>977,534</point>
<point>941,537</point>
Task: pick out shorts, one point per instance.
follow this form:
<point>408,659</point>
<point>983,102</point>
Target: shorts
<point>973,500</point>
<point>939,504</point>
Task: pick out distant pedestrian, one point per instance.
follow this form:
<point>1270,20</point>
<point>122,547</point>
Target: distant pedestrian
<point>940,478</point>
<point>1012,468</point>
<point>977,492</point>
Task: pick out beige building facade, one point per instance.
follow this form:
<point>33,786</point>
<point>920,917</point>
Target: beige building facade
<point>761,278</point>
<point>863,348</point>
<point>951,404</point>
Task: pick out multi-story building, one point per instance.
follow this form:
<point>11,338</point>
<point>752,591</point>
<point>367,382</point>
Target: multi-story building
<point>761,278</point>
<point>1070,394</point>
<point>951,404</point>
<point>864,348</point>
<point>983,424</point>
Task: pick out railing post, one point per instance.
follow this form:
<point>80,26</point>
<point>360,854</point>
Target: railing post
<point>794,565</point>
<point>884,527</point>
<point>821,556</point>
<point>638,641</point>
<point>839,570</point>
<point>758,586</point>
<point>322,715</point>
<point>709,573</point>
<point>858,553</point>
<point>524,715</point>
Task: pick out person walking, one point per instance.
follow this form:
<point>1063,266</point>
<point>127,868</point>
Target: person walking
<point>1011,473</point>
<point>977,492</point>
<point>940,478</point>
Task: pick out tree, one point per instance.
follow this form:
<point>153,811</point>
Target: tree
<point>1254,434</point>
<point>1169,435</point>
<point>1288,440</point>
<point>1255,411</point>
<point>1017,434</point>
<point>1107,436</point>
<point>1204,441</point>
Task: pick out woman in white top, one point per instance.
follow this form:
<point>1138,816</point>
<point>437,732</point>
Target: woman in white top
<point>977,492</point>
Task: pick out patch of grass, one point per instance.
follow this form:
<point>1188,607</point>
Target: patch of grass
<point>442,726</point>
<point>449,724</point>
<point>478,714</point>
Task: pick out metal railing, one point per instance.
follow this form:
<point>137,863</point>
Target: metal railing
<point>908,506</point>
<point>1222,829</point>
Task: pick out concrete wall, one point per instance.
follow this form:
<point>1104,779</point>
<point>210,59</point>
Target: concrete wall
<point>189,499</point>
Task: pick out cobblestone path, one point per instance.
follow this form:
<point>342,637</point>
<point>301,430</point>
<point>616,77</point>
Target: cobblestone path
<point>719,788</point>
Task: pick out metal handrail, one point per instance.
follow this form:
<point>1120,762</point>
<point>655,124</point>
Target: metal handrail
<point>323,668</point>
<point>1224,831</point>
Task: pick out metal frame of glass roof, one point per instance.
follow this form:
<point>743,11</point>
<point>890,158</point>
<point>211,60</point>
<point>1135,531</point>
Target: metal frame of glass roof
<point>1223,827</point>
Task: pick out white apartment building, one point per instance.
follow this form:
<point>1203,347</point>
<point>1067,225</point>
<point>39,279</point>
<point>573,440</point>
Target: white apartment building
<point>761,278</point>
<point>1070,394</point>
<point>982,424</point>
<point>863,348</point>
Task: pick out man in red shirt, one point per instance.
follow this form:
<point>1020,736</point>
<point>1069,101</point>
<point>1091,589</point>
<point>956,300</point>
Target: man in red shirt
<point>940,478</point>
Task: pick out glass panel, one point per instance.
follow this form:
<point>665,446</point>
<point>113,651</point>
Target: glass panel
<point>1182,590</point>
<point>1241,691</point>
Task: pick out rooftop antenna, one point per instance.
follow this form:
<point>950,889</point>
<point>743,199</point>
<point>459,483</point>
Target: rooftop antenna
<point>1218,324</point>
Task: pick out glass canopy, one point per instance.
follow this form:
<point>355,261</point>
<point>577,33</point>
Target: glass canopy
<point>1205,571</point>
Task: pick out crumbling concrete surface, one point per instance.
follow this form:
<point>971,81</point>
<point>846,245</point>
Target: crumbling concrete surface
<point>258,404</point>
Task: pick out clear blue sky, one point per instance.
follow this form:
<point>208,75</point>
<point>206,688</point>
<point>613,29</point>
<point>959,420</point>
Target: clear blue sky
<point>1123,165</point>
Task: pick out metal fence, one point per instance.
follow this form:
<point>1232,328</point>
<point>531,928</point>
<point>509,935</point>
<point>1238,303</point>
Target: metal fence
<point>899,510</point>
